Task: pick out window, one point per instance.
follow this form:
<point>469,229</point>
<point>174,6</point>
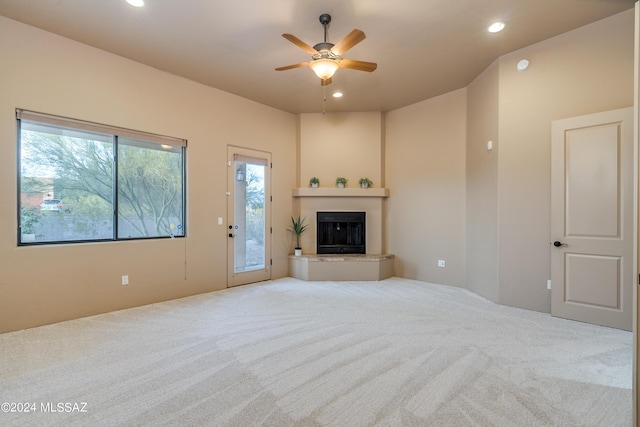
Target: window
<point>81,181</point>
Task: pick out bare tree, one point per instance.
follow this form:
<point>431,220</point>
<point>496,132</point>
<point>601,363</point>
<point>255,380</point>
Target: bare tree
<point>149,179</point>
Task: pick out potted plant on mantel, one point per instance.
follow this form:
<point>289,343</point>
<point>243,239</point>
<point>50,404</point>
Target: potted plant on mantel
<point>298,227</point>
<point>365,182</point>
<point>314,182</point>
<point>341,182</point>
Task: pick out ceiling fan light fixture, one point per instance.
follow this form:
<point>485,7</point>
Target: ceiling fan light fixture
<point>324,68</point>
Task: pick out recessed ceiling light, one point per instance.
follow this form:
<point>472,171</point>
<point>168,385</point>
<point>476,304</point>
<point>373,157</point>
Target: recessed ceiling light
<point>136,3</point>
<point>337,94</point>
<point>496,27</point>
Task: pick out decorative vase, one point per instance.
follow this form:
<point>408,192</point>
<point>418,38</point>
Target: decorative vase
<point>297,251</point>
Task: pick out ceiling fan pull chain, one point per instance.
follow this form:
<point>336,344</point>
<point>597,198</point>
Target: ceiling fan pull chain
<point>324,97</point>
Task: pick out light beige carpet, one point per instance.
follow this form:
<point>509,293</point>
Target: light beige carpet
<point>294,353</point>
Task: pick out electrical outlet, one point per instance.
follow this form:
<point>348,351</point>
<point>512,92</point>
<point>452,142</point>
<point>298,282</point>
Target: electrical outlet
<point>549,284</point>
<point>125,280</point>
<point>441,263</point>
<point>220,222</point>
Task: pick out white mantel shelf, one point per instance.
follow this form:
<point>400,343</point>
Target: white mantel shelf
<point>340,192</point>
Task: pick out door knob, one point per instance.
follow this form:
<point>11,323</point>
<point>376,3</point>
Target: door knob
<point>231,235</point>
<point>557,244</point>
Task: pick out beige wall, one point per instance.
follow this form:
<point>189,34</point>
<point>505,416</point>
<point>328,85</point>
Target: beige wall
<point>348,145</point>
<point>485,213</point>
<point>583,71</point>
<point>425,172</point>
<point>341,144</point>
<point>482,184</point>
<point>47,73</point>
<point>436,152</point>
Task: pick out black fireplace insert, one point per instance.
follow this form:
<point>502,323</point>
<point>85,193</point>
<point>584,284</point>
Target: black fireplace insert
<point>341,233</point>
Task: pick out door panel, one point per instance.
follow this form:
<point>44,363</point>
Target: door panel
<point>594,280</point>
<point>249,216</point>
<point>591,157</point>
<point>592,218</point>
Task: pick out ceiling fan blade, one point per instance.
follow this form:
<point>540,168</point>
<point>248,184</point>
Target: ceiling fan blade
<point>326,82</point>
<point>302,45</point>
<point>358,65</point>
<point>291,67</point>
<point>349,41</point>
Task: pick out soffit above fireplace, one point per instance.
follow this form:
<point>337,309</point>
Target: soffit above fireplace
<point>341,192</point>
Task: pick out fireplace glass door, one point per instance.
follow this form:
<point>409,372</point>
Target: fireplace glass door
<point>341,233</point>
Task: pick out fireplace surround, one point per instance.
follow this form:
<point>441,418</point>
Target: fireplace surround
<point>373,264</point>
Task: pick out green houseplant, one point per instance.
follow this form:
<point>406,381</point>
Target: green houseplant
<point>298,227</point>
<point>365,182</point>
<point>341,182</point>
<point>314,182</point>
<point>29,218</point>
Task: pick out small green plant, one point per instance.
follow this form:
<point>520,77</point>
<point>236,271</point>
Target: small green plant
<point>365,182</point>
<point>340,181</point>
<point>314,182</point>
<point>29,218</point>
<point>298,227</point>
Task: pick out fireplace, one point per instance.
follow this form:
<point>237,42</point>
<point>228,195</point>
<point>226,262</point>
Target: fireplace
<point>341,233</point>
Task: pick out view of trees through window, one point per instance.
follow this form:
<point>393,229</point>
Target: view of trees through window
<point>255,216</point>
<point>79,186</point>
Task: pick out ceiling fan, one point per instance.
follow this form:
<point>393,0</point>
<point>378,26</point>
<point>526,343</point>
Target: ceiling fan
<point>327,57</point>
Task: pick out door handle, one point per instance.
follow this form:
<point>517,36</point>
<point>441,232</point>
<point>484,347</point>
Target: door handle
<point>557,244</point>
<point>232,235</point>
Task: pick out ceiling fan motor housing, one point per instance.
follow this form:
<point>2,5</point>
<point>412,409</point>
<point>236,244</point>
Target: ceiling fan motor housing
<point>325,19</point>
<point>324,49</point>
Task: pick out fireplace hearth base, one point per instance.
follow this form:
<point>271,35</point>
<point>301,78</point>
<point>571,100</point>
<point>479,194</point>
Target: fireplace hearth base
<point>353,267</point>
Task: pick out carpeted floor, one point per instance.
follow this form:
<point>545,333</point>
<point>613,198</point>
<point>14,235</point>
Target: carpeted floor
<point>294,353</point>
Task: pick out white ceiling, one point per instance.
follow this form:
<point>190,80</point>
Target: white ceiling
<point>423,48</point>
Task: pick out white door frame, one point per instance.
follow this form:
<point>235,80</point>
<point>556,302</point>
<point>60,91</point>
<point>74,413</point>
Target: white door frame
<point>235,278</point>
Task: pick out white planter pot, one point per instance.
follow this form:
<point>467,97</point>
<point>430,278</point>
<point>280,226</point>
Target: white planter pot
<point>364,185</point>
<point>297,251</point>
<point>28,237</point>
<point>340,185</point>
<point>314,185</point>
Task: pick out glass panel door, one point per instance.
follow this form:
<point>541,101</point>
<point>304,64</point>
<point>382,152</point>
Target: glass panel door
<point>249,216</point>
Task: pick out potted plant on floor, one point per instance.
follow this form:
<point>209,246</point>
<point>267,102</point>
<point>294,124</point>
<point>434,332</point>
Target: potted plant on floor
<point>365,182</point>
<point>298,227</point>
<point>341,182</point>
<point>314,182</point>
<point>29,218</point>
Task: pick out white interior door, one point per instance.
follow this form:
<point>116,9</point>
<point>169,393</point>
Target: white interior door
<point>592,218</point>
<point>249,216</point>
